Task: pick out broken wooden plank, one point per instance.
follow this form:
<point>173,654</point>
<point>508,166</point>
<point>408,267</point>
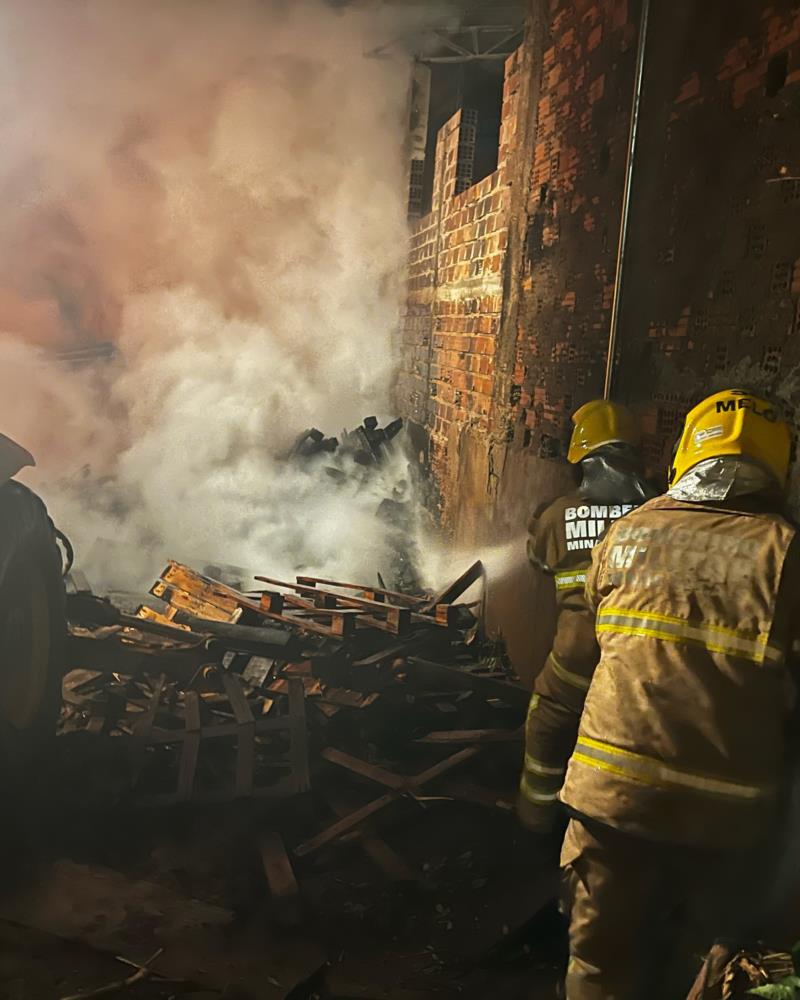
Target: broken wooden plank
<point>473,736</point>
<point>375,847</point>
<point>298,734</point>
<point>203,588</point>
<point>360,815</point>
<point>444,676</point>
<point>464,791</point>
<point>258,670</point>
<point>191,748</point>
<point>82,681</point>
<point>380,775</point>
<point>346,698</point>
<point>311,686</point>
<point>182,600</point>
<point>281,879</point>
<point>145,613</point>
<point>461,585</point>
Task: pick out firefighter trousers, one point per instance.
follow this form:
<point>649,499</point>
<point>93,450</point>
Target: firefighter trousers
<point>643,914</point>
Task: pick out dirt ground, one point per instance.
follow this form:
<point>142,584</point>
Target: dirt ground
<point>83,886</point>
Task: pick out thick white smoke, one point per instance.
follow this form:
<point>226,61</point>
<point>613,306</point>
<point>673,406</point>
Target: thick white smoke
<point>216,186</point>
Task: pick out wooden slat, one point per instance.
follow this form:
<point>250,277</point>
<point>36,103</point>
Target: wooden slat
<point>272,601</point>
<point>191,747</point>
<point>181,600</point>
<point>96,725</point>
<point>345,824</point>
<point>221,730</point>
<point>298,734</point>
<point>81,681</point>
<point>384,856</point>
<point>246,750</point>
<point>203,587</point>
<point>144,613</point>
<point>376,592</point>
<point>446,615</point>
<point>474,736</point>
<point>308,625</point>
<point>346,698</point>
<point>444,676</point>
<point>478,795</point>
<point>453,591</point>
<point>371,771</point>
<point>311,685</point>
<point>143,727</point>
<point>348,823</point>
<point>281,878</point>
<point>388,617</point>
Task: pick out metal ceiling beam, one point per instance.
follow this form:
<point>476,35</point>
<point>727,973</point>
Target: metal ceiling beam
<point>493,48</point>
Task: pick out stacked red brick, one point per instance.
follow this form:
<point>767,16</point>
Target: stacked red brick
<point>456,274</point>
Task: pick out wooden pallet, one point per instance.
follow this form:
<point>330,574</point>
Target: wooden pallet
<point>196,739</point>
<point>376,609</point>
<point>376,614</point>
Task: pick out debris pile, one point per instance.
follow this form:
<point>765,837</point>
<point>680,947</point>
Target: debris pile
<point>374,458</point>
<point>729,974</point>
<point>367,445</point>
<point>212,694</point>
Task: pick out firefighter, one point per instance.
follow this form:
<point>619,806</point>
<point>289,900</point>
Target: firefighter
<point>604,446</point>
<point>676,774</point>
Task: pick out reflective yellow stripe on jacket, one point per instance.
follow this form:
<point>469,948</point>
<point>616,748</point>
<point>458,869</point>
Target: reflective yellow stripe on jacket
<point>649,771</point>
<point>570,580</point>
<point>715,638</point>
<point>538,798</point>
<point>538,778</point>
<point>538,781</point>
<point>537,767</point>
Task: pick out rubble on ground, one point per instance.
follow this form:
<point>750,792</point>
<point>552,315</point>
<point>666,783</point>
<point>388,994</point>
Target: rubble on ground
<point>732,974</point>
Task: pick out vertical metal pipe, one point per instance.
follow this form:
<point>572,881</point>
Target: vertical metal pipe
<point>626,199</point>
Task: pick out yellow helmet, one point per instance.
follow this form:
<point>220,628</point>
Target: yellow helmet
<point>734,423</point>
<point>598,423</point>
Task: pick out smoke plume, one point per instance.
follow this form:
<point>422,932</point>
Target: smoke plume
<point>218,189</point>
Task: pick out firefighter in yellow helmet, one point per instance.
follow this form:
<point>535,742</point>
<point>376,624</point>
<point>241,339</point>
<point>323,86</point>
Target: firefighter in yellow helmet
<point>604,446</point>
<point>676,774</point>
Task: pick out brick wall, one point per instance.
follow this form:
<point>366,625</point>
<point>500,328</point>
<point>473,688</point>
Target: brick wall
<point>712,293</point>
<point>455,292</point>
<point>712,272</point>
<point>507,324</point>
<point>573,216</point>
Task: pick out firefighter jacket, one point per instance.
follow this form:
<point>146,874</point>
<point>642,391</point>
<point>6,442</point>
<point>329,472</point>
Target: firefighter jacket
<point>560,541</point>
<point>682,736</point>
